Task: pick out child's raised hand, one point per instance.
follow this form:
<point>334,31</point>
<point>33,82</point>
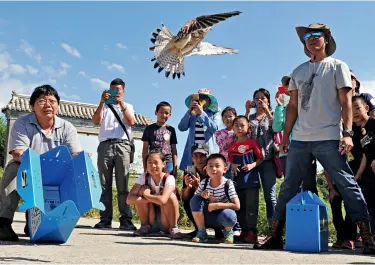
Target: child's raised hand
<point>248,167</point>
<point>205,194</point>
<point>188,180</point>
<point>196,180</point>
<point>248,105</point>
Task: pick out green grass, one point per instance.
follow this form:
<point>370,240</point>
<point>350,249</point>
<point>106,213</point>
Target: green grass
<point>184,221</point>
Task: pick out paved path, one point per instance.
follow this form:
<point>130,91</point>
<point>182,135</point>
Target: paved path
<point>87,245</point>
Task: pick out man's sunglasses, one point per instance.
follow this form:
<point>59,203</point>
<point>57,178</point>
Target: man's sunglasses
<point>315,35</point>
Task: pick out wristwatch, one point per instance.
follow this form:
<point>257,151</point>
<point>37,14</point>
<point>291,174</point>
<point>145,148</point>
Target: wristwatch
<point>350,132</point>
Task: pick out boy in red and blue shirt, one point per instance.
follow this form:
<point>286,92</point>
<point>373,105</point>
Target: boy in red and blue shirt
<point>245,155</point>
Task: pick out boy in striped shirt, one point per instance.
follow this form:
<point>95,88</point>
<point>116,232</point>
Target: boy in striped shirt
<point>215,201</point>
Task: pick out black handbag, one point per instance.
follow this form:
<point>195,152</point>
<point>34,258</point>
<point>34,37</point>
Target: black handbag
<point>131,141</point>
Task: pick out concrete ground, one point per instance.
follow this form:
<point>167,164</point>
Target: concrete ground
<point>87,245</point>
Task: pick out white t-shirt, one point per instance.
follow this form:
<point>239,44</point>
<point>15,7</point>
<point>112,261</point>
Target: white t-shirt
<point>110,128</point>
<point>319,107</point>
<point>170,181</point>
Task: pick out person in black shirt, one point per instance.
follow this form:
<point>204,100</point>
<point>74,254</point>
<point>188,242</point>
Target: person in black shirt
<point>366,171</point>
<point>162,138</point>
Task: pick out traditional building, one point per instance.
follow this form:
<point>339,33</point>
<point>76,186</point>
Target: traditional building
<point>79,114</point>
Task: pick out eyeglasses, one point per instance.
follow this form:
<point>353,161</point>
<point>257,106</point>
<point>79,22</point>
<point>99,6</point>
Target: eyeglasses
<point>43,102</point>
<point>315,35</point>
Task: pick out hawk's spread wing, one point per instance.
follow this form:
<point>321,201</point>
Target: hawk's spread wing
<point>205,48</point>
<point>202,22</point>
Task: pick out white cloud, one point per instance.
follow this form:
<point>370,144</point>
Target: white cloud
<point>223,77</point>
<point>7,86</point>
<point>17,69</point>
<point>26,47</point>
<point>65,86</point>
<point>120,46</point>
<point>32,70</point>
<point>135,58</point>
<point>69,97</point>
<point>84,74</point>
<point>65,65</point>
<point>99,84</point>
<point>52,81</point>
<point>5,61</point>
<point>155,84</point>
<point>113,66</point>
<point>70,49</point>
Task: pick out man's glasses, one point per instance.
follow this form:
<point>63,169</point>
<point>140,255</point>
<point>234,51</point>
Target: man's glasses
<point>315,35</point>
<point>43,102</point>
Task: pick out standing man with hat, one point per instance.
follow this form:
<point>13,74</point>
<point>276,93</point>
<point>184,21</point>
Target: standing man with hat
<point>202,120</point>
<point>320,91</point>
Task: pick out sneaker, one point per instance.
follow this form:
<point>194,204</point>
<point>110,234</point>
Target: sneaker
<point>7,233</point>
<point>251,238</point>
<point>348,244</point>
<point>201,236</point>
<point>228,237</point>
<point>127,225</point>
<point>175,233</point>
<point>237,233</point>
<point>143,230</point>
<point>103,224</point>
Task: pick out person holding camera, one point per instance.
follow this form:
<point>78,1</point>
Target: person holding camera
<point>115,118</point>
<point>193,177</point>
<point>202,121</point>
<point>261,130</point>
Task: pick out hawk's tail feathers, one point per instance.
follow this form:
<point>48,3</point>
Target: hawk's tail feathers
<point>170,63</point>
<point>160,39</point>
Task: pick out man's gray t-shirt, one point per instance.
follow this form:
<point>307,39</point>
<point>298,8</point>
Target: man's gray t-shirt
<point>26,133</point>
<point>319,107</point>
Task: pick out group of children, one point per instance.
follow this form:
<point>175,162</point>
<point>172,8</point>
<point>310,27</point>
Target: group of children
<point>220,188</point>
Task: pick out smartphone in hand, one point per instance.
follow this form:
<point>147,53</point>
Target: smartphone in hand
<point>113,93</point>
<point>191,170</point>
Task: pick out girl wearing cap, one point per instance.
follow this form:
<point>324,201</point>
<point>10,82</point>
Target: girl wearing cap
<point>202,120</point>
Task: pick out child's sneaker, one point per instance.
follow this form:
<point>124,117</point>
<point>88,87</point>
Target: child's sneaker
<point>143,230</point>
<point>348,244</point>
<point>175,233</point>
<point>228,237</point>
<point>201,236</point>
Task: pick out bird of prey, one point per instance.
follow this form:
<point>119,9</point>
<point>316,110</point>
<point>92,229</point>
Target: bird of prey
<point>170,50</point>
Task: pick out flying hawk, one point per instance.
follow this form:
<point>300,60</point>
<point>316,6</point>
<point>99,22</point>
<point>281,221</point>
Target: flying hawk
<point>170,50</point>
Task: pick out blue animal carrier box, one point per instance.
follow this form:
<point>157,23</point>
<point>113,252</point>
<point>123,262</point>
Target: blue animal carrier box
<point>306,224</point>
<point>57,190</point>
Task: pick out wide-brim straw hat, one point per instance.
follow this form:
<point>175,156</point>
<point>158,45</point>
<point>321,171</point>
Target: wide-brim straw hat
<point>330,46</point>
<point>213,107</point>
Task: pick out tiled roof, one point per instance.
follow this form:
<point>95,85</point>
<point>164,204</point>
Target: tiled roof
<point>69,109</point>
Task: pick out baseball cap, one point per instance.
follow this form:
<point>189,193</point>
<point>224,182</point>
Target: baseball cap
<point>200,148</point>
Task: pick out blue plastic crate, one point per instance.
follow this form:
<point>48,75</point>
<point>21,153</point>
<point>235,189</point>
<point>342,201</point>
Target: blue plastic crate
<point>57,190</point>
<point>306,224</point>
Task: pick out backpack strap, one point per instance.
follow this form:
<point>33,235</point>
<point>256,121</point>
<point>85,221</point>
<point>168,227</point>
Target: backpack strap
<point>226,188</point>
<point>205,183</point>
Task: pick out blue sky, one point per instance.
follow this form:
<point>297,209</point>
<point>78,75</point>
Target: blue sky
<point>80,47</point>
